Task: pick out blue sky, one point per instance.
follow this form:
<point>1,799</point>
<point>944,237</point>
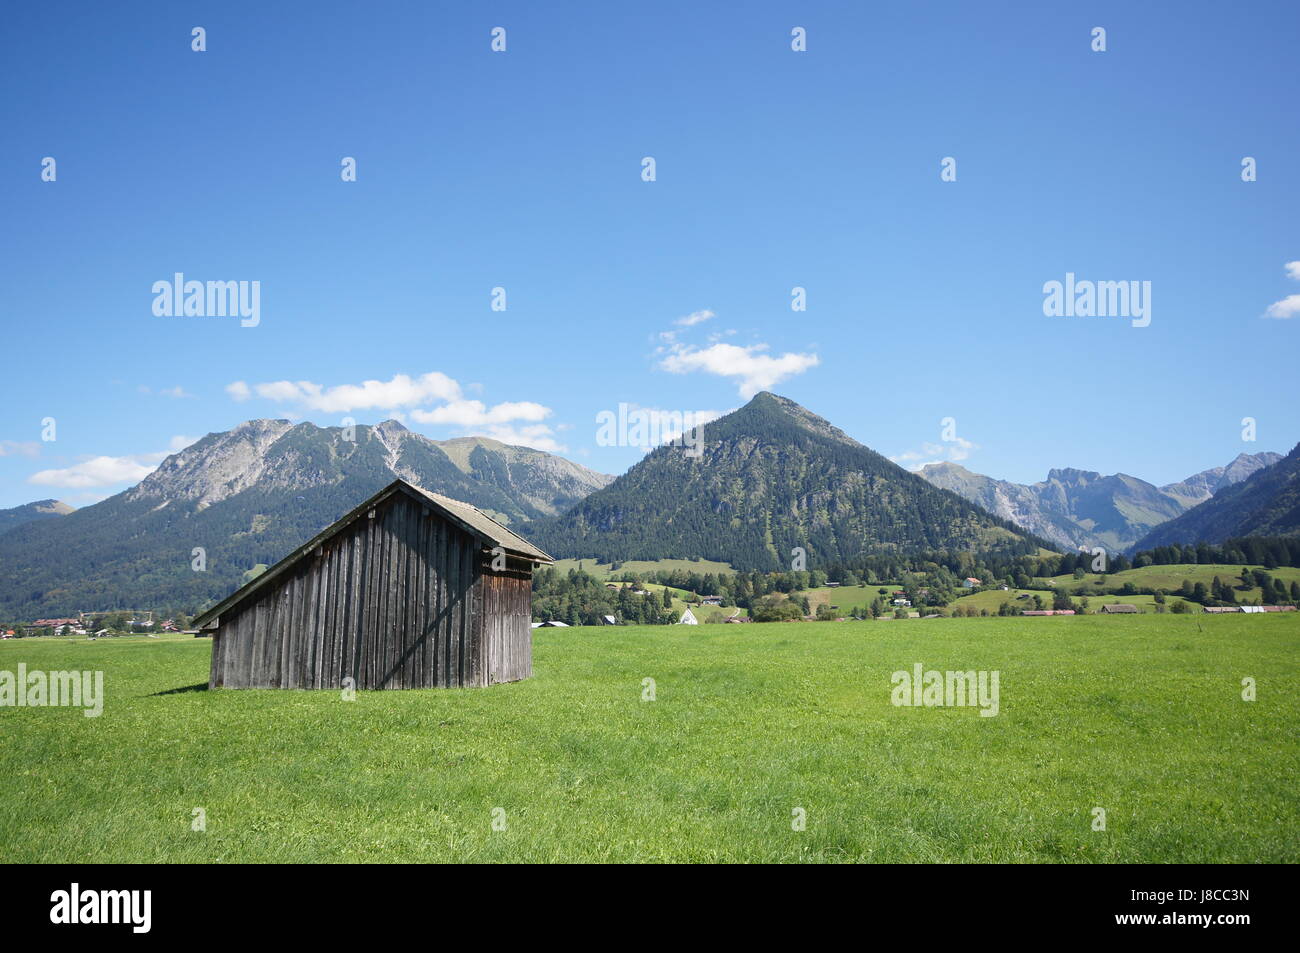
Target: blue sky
<point>774,169</point>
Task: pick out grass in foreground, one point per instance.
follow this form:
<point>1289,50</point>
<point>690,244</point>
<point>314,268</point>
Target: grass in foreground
<point>1140,716</point>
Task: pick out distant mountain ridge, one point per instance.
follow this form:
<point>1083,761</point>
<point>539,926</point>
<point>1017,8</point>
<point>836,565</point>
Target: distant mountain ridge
<point>1266,503</point>
<point>772,476</point>
<point>41,509</point>
<point>1084,509</point>
<point>250,495</point>
<point>1200,487</point>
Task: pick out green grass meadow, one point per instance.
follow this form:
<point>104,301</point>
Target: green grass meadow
<point>1141,716</point>
<point>1170,578</point>
<point>644,566</point>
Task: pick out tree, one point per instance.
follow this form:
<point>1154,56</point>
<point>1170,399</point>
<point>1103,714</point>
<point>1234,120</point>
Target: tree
<point>775,608</point>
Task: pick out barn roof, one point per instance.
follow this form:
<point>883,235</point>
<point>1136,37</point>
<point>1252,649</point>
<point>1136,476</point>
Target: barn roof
<point>469,518</point>
<point>480,524</point>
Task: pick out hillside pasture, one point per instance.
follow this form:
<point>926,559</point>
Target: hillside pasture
<point>1170,578</point>
<point>643,567</point>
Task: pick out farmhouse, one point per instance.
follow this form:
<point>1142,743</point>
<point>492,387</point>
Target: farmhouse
<point>1118,608</point>
<point>409,590</point>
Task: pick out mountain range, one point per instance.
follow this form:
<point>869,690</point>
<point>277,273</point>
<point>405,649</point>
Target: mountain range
<point>1267,503</point>
<point>248,496</point>
<point>770,480</point>
<point>1083,509</point>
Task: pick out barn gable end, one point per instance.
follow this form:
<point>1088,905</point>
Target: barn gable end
<point>409,590</point>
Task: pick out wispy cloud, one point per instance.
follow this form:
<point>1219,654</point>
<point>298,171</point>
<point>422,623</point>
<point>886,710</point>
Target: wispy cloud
<point>536,436</point>
<point>475,413</point>
<point>401,391</point>
<point>19,448</point>
<point>694,318</point>
<point>671,424</point>
<point>178,392</point>
<point>403,396</point>
<point>949,451</point>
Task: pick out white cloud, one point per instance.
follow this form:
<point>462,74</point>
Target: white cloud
<point>695,317</point>
<point>12,448</point>
<point>474,413</point>
<point>1288,307</point>
<point>107,471</point>
<point>950,451</point>
<point>97,471</point>
<point>177,392</point>
<point>402,391</point>
<point>500,422</point>
<point>405,396</point>
<point>537,436</point>
<point>757,370</point>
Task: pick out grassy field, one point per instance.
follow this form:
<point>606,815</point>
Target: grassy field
<point>602,570</point>
<point>680,603</point>
<point>1171,578</point>
<point>991,599</point>
<point>847,598</point>
<point>1140,716</point>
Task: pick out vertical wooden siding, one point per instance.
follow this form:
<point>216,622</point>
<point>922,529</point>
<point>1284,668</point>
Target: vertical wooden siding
<point>404,599</point>
<point>507,612</point>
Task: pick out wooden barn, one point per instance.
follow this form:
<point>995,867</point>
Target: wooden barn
<point>409,590</point>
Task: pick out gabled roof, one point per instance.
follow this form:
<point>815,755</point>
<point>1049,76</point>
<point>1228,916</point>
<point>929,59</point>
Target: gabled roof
<point>480,524</point>
<point>469,518</point>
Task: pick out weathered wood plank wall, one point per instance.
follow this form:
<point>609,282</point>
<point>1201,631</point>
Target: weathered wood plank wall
<point>402,599</point>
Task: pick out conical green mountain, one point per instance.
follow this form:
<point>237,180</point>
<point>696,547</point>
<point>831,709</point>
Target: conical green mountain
<point>773,476</point>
